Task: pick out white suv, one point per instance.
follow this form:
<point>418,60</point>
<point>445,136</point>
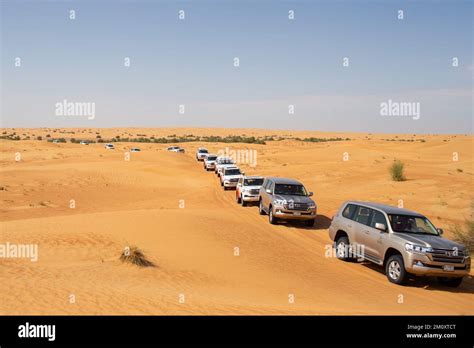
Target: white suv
<point>109,146</point>
<point>221,163</point>
<point>248,189</point>
<point>201,154</point>
<point>210,162</point>
<point>230,177</point>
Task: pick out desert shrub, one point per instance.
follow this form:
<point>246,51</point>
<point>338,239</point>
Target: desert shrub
<point>135,256</point>
<point>39,137</point>
<point>465,234</point>
<point>397,171</point>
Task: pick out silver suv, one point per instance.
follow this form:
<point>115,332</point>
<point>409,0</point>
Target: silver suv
<point>402,241</point>
<point>286,199</point>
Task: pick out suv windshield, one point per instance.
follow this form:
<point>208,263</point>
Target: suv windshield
<point>412,224</point>
<point>253,182</point>
<point>291,190</point>
<point>203,151</point>
<point>232,172</point>
<point>211,158</point>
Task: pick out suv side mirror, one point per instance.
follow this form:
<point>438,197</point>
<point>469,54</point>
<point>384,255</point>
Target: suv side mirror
<point>243,173</point>
<point>380,226</point>
<point>310,194</point>
<point>268,191</point>
<point>440,231</point>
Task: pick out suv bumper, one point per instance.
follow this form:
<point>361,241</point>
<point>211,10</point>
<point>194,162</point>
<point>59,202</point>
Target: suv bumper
<point>230,183</point>
<point>246,197</point>
<point>422,265</point>
<point>281,213</point>
<point>210,165</point>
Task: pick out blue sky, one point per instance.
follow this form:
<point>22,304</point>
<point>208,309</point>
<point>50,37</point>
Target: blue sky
<point>282,62</point>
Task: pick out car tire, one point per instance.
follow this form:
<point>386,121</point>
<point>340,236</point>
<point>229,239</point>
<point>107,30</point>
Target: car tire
<point>309,223</point>
<point>273,220</point>
<point>238,199</point>
<point>451,282</point>
<point>342,248</point>
<point>260,208</point>
<point>395,270</point>
<point>243,202</point>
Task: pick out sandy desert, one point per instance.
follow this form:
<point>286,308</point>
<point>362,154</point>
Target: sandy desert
<point>177,213</point>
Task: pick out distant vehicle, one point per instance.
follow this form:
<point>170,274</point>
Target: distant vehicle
<point>56,141</point>
<point>230,176</point>
<point>402,241</point>
<point>109,146</point>
<point>210,162</point>
<point>201,153</point>
<point>172,148</point>
<point>84,142</point>
<point>135,149</point>
<point>222,162</point>
<point>248,188</point>
<point>286,199</point>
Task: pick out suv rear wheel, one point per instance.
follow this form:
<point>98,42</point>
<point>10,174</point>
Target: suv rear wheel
<point>451,282</point>
<point>237,198</point>
<point>342,248</point>
<point>395,270</point>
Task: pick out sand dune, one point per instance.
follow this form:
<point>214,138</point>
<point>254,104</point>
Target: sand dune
<point>122,203</point>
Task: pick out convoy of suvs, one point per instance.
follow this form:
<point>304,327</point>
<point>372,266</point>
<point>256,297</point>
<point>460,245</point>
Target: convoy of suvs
<point>404,242</point>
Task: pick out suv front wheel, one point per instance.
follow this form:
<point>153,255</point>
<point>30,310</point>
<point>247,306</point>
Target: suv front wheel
<point>273,220</point>
<point>395,270</point>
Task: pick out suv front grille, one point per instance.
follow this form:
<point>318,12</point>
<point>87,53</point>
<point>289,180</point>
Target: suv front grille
<point>254,191</point>
<point>233,180</point>
<point>297,206</point>
<point>447,255</point>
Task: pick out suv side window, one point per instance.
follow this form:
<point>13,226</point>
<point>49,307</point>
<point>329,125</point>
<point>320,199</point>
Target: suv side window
<point>377,217</point>
<point>271,186</point>
<point>349,210</point>
<point>362,215</point>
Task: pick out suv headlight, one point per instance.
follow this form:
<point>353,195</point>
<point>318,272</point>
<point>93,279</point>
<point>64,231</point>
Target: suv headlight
<point>417,248</point>
<point>312,205</point>
<point>279,202</point>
